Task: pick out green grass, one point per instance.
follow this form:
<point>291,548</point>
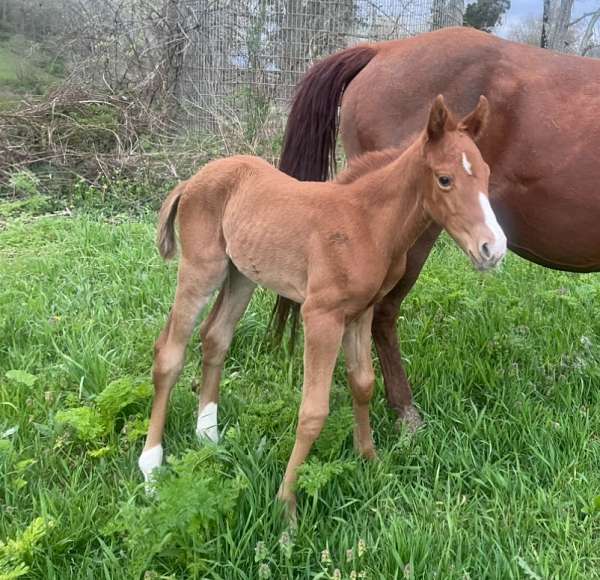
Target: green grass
<point>20,72</point>
<point>8,68</point>
<point>502,482</point>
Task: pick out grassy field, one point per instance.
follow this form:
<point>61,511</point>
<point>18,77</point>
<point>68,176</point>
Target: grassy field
<point>22,70</point>
<point>503,482</point>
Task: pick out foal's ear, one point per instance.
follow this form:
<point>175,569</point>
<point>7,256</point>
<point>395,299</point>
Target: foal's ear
<point>475,122</point>
<point>438,117</point>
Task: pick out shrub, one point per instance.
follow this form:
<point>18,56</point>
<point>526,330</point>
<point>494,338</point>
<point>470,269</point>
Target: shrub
<point>92,423</point>
<point>193,497</point>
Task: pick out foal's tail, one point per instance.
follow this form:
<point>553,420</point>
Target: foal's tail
<point>308,151</point>
<point>165,237</point>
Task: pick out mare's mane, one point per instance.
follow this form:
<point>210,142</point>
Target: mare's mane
<point>370,161</point>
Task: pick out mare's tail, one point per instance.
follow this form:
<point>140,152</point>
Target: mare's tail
<point>165,237</point>
<point>308,151</point>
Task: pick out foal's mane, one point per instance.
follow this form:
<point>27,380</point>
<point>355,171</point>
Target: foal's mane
<point>366,163</point>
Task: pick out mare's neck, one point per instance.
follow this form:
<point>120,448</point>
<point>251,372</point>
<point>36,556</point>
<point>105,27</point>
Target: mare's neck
<point>392,199</point>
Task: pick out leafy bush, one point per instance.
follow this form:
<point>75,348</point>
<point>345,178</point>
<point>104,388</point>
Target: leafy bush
<point>122,394</point>
<point>338,427</point>
<point>85,423</point>
<point>117,194</point>
<point>90,424</point>
<point>15,555</point>
<point>193,498</point>
<point>24,182</point>
<point>24,185</point>
<point>21,377</point>
<point>314,475</point>
<point>35,205</point>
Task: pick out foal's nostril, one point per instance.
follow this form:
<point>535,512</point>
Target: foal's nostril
<point>485,251</point>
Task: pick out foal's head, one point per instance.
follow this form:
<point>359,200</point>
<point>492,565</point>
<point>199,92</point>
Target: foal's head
<point>457,198</point>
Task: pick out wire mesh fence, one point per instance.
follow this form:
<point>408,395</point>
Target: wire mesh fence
<point>225,70</point>
<point>245,57</point>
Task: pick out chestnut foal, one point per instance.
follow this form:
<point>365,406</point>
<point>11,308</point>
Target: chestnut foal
<point>335,247</point>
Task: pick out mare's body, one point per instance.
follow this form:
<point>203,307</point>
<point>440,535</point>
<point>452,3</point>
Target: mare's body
<point>542,145</point>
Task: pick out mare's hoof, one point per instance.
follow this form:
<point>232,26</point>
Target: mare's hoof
<point>409,419</point>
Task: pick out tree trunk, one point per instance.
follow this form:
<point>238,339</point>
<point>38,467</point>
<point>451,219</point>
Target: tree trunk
<point>545,24</point>
<point>166,82</point>
<point>557,39</point>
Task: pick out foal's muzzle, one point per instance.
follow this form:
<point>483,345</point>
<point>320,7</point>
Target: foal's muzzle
<point>489,252</point>
<point>491,246</point>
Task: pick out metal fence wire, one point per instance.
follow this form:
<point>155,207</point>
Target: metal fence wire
<point>245,57</point>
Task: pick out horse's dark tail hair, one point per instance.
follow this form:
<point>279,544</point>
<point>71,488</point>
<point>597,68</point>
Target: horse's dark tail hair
<point>308,151</point>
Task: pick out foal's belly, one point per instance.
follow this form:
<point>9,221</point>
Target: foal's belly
<point>268,261</point>
<point>262,274</point>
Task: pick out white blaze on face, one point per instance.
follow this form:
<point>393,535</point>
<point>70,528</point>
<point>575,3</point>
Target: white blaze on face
<point>207,428</point>
<point>466,164</point>
<point>499,247</point>
<point>149,460</point>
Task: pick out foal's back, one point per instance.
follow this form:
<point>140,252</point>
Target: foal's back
<point>270,225</point>
<point>207,195</point>
<point>221,178</point>
<point>251,180</point>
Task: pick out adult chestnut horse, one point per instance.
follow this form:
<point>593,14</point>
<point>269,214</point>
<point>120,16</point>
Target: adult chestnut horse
<point>542,145</point>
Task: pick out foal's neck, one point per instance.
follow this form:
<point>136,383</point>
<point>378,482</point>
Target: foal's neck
<point>392,198</point>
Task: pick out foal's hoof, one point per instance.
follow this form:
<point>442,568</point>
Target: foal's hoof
<point>289,505</point>
<point>150,460</point>
<point>370,453</point>
<point>367,449</point>
<point>409,419</point>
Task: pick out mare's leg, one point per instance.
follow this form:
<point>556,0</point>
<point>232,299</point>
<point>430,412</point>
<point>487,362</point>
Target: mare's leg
<point>323,333</point>
<point>357,349</point>
<point>217,332</point>
<point>386,313</point>
<point>197,282</point>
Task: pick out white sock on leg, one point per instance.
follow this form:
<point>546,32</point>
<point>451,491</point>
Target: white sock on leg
<point>207,427</point>
<point>149,460</point>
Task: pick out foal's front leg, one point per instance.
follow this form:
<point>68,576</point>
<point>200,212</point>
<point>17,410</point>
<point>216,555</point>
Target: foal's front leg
<point>357,350</point>
<point>322,339</point>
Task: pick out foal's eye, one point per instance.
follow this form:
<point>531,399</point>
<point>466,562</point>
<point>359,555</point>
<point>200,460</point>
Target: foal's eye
<point>445,181</point>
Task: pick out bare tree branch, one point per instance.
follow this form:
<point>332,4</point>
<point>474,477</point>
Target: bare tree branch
<point>583,17</point>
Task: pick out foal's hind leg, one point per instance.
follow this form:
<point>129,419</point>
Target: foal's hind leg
<point>357,349</point>
<point>197,282</point>
<point>217,332</point>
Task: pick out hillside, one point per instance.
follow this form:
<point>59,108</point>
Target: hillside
<point>25,69</point>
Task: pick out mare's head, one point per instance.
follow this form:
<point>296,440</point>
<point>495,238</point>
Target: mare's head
<point>457,193</point>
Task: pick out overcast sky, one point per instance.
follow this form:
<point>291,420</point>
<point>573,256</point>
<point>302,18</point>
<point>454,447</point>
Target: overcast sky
<point>523,9</point>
